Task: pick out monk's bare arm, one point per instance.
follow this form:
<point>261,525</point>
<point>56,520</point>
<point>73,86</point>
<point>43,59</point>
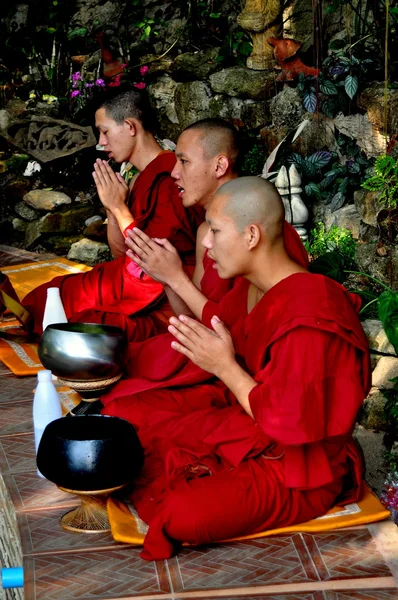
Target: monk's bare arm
<point>190,289</point>
<point>113,192</point>
<point>160,260</point>
<point>213,351</point>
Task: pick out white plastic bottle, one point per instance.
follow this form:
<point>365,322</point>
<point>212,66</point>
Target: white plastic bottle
<point>54,311</point>
<point>46,406</point>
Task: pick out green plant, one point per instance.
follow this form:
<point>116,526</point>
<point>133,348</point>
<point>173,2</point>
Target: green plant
<point>384,180</point>
<point>337,84</point>
<point>335,239</point>
<point>330,177</point>
<point>332,265</point>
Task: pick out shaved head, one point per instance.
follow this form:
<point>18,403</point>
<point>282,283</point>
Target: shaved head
<point>218,137</point>
<point>253,201</point>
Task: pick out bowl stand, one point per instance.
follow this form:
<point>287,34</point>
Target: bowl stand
<point>90,391</point>
<point>91,516</point>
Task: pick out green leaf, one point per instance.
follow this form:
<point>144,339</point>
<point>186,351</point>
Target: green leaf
<point>353,167</point>
<point>328,88</point>
<point>320,159</point>
<point>374,184</point>
<point>245,48</point>
<point>213,15</point>
<point>312,189</point>
<point>330,264</point>
<point>351,85</point>
<point>387,306</point>
<point>310,102</point>
<point>337,201</point>
<point>79,32</point>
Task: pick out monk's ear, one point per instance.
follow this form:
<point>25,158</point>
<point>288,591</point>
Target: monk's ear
<point>222,166</point>
<point>253,236</point>
<point>132,125</point>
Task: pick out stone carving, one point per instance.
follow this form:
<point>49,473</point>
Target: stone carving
<point>262,19</point>
<point>286,53</point>
<point>288,185</point>
<point>47,139</point>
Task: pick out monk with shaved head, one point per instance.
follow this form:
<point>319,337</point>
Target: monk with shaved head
<point>264,441</point>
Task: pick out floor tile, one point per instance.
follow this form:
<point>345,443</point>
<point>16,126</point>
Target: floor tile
<point>30,492</point>
<point>370,594</point>
<point>17,454</point>
<point>298,596</point>
<point>99,575</point>
<point>16,389</point>
<point>346,554</point>
<point>15,417</point>
<point>253,562</point>
<point>41,532</point>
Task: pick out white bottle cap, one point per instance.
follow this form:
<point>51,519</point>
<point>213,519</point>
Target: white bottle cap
<point>53,291</point>
<point>44,375</point>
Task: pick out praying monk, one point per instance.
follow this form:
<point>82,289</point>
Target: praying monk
<point>114,290</point>
<point>270,443</point>
<point>207,154</point>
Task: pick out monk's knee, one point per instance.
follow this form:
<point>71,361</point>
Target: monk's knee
<point>188,518</point>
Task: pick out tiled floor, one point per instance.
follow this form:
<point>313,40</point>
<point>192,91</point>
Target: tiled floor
<point>340,565</point>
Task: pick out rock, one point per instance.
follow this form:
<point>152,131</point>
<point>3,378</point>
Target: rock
<point>26,212</point>
<point>346,217</point>
<point>372,100</point>
<point>161,94</point>
<point>317,135</point>
<point>93,219</point>
<point>386,369</point>
<point>359,128</point>
<point>287,109</point>
<point>192,101</point>
<point>254,114</point>
<point>368,206</point>
<point>104,14</point>
<point>67,222</point>
<point>372,412</point>
<point>89,252</point>
<point>377,339</point>
<point>19,225</point>
<point>384,268</point>
<point>196,65</point>
<point>17,188</point>
<point>46,199</point>
<point>242,82</point>
<point>96,230</point>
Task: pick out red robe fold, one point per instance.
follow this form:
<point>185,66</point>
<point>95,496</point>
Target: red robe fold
<point>109,293</point>
<point>211,471</point>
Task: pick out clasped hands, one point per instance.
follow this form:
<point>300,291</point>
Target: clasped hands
<point>211,349</point>
<point>111,187</point>
<point>156,256</point>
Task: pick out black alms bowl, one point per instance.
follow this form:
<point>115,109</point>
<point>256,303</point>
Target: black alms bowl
<point>83,351</point>
<point>91,452</point>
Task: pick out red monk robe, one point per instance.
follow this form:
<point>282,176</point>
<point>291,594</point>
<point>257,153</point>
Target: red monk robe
<point>153,363</point>
<point>109,293</point>
<point>214,473</point>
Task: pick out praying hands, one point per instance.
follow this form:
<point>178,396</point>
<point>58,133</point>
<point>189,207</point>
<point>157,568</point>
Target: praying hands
<point>156,256</point>
<point>211,349</point>
<point>111,187</point>
<point>214,352</point>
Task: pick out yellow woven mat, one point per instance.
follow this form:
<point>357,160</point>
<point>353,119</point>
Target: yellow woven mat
<point>127,527</point>
<point>16,353</point>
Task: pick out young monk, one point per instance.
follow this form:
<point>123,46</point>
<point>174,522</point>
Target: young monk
<point>269,444</point>
<point>113,291</point>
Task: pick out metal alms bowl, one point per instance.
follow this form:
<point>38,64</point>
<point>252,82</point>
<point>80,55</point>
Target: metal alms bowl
<point>92,452</point>
<point>83,351</point>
